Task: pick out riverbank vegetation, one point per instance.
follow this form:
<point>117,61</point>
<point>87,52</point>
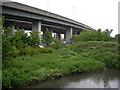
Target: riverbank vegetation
<point>105,52</point>
<point>24,62</point>
<point>99,45</point>
<point>26,69</point>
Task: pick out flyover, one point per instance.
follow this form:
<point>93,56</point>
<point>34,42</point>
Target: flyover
<point>27,17</point>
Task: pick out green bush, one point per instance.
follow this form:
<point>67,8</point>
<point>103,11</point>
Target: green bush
<point>46,66</point>
<point>94,35</point>
<point>110,59</point>
<point>47,38</point>
<point>6,79</point>
<point>86,66</point>
<point>33,39</point>
<point>106,52</point>
<point>25,51</point>
<point>117,38</point>
<point>21,37</point>
<point>14,53</point>
<point>57,44</point>
<point>13,78</point>
<point>46,50</point>
<point>19,43</point>
<point>28,50</point>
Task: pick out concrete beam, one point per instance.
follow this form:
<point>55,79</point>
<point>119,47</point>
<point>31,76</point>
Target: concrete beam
<point>68,35</point>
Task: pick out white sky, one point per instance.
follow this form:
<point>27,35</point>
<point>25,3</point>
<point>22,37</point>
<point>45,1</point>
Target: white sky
<point>95,13</point>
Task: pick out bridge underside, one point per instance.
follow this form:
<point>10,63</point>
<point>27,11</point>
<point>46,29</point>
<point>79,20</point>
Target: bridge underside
<point>30,18</point>
<point>40,26</point>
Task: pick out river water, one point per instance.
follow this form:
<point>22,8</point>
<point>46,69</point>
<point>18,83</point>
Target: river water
<point>108,79</point>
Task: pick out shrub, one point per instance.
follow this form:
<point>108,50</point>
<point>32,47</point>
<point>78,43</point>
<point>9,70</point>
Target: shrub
<point>12,78</point>
<point>106,52</point>
<point>14,53</point>
<point>33,39</point>
<point>47,38</point>
<point>28,50</point>
<point>25,51</point>
<point>20,40</point>
<point>46,50</point>
<point>57,44</point>
<point>94,35</point>
<point>117,38</point>
<point>110,59</point>
<point>6,79</point>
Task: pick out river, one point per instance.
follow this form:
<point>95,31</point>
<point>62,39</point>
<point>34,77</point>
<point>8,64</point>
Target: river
<point>108,79</point>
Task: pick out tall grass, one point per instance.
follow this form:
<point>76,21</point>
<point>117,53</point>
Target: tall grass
<point>106,52</point>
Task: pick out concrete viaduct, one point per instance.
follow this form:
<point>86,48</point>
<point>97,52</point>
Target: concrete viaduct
<point>31,18</point>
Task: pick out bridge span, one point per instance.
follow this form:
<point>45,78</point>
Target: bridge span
<point>31,18</point>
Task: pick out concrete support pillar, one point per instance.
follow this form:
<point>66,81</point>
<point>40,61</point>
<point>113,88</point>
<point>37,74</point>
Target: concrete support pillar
<point>65,36</point>
<point>52,33</point>
<point>58,35</point>
<point>74,33</point>
<point>55,35</point>
<point>69,35</point>
<point>36,26</point>
<point>13,28</point>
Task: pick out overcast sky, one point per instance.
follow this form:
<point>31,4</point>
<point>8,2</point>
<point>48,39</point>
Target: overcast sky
<point>95,13</point>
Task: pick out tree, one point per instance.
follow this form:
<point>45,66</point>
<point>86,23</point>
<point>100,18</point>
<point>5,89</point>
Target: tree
<point>47,37</point>
<point>33,39</point>
<point>93,35</point>
<point>117,38</point>
<point>108,32</point>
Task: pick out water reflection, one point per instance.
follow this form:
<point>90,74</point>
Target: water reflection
<point>107,79</point>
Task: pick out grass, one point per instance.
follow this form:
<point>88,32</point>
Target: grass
<point>24,70</point>
<point>50,63</point>
<point>106,52</point>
